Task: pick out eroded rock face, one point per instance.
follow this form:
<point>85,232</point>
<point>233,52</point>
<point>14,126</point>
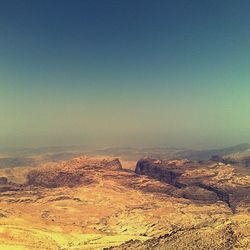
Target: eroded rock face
<point>71,173</point>
<point>207,181</point>
<point>225,237</point>
<point>198,193</point>
<point>92,203</point>
<point>3,180</point>
<point>156,169</point>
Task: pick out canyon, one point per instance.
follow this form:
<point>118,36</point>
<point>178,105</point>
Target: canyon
<point>100,203</point>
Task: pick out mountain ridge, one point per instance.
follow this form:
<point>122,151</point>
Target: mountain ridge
<point>94,203</point>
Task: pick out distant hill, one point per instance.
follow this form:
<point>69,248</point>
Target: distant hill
<point>206,154</point>
<point>39,156</point>
<point>175,153</point>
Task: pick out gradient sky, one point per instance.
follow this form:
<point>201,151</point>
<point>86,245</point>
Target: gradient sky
<point>124,73</point>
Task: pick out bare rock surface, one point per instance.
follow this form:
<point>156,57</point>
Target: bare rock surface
<point>71,173</point>
<point>92,203</point>
<point>3,180</point>
<point>205,181</point>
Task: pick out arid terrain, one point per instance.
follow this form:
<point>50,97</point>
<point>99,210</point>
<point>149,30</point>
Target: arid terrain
<point>124,125</point>
<point>107,203</point>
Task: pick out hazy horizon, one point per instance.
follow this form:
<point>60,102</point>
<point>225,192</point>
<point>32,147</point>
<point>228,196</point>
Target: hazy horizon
<point>124,73</point>
<point>94,145</point>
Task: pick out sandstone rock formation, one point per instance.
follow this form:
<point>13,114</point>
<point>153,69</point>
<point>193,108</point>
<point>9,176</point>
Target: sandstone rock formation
<point>3,180</point>
<point>71,173</point>
<point>92,203</point>
<point>207,181</point>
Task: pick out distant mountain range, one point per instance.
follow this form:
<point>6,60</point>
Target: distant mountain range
<point>237,152</point>
<point>38,156</point>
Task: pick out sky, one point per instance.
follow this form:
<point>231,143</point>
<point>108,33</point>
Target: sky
<point>124,73</point>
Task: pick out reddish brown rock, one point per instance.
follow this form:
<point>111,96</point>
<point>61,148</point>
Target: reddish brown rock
<point>3,180</point>
<point>207,181</point>
<point>71,173</point>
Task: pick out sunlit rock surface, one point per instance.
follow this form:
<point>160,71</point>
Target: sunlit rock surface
<point>92,203</point>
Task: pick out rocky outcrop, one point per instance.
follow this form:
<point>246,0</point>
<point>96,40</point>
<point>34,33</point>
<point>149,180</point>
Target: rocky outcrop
<point>207,181</point>
<point>53,179</point>
<point>71,173</point>
<point>155,169</point>
<point>224,237</point>
<point>199,193</point>
<point>3,180</point>
<point>92,203</point>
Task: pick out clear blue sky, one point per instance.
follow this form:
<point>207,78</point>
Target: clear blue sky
<point>124,72</point>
